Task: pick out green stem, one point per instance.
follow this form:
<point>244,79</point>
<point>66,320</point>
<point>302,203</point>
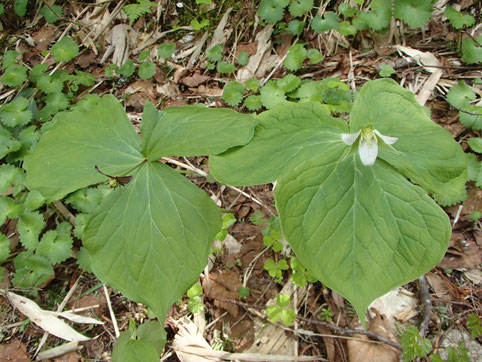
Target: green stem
<point>133,168</point>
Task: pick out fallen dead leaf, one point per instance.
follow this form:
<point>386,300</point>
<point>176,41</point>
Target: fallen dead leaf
<point>85,59</point>
<point>195,79</point>
<point>397,304</point>
<point>167,90</point>
<point>359,351</point>
<point>15,351</point>
<point>138,93</point>
<point>189,335</point>
<point>249,48</point>
<point>207,92</point>
<point>439,285</point>
<point>43,38</point>
<point>48,320</point>
<point>462,253</point>
<point>68,357</point>
<point>89,301</point>
<point>225,284</point>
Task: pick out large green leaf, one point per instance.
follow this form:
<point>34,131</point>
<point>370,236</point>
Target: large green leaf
<point>195,130</point>
<point>285,136</point>
<point>150,240</point>
<point>360,230</point>
<point>427,153</point>
<point>66,154</point>
<point>140,351</point>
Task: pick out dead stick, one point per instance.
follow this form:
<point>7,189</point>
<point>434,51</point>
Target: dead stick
<point>426,305</point>
<point>340,330</point>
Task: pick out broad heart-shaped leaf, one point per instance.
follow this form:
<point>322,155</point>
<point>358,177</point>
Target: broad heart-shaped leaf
<point>426,153</point>
<point>66,154</point>
<point>151,239</point>
<point>285,136</point>
<point>194,131</point>
<point>360,230</point>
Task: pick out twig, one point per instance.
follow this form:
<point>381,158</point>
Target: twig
<point>346,331</point>
<point>426,305</point>
<point>222,355</point>
<point>204,174</point>
<point>340,330</point>
<point>64,212</point>
<point>111,312</point>
<point>457,216</point>
<point>458,109</point>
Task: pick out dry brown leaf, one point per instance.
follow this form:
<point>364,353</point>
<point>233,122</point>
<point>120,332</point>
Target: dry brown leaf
<point>85,59</point>
<point>359,351</point>
<point>439,285</point>
<point>225,284</point>
<point>15,351</point>
<point>195,79</point>
<point>43,38</point>
<point>68,357</point>
<point>462,253</point>
<point>207,92</point>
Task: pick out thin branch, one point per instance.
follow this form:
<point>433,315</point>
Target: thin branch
<point>111,312</point>
<point>339,330</point>
<point>458,109</point>
<point>426,305</point>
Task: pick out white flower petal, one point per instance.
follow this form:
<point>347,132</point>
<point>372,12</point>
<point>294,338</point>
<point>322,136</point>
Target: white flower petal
<point>349,138</point>
<point>368,152</point>
<point>387,139</point>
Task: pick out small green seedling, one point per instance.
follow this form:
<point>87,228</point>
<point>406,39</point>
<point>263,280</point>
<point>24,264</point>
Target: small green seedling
<point>386,70</point>
<point>243,292</point>
<point>233,93</point>
<point>459,354</point>
<point>281,310</point>
<point>195,304</point>
<point>326,314</point>
<point>243,58</point>
<point>228,221</point>
<point>413,345</point>
<point>166,50</point>
<point>474,324</point>
<point>273,239</point>
<point>300,275</point>
<point>275,269</point>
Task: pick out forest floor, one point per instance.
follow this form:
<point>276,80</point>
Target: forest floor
<point>228,322</point>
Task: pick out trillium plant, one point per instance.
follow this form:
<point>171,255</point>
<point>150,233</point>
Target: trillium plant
<point>353,198</point>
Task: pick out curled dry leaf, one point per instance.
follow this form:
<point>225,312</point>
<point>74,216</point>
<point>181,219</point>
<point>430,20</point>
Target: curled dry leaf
<point>423,58</point>
<point>189,335</point>
<point>48,321</point>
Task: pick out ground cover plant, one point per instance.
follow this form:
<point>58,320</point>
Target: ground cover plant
<point>123,164</point>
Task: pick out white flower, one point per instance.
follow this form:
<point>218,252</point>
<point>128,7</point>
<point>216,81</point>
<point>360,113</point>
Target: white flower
<point>368,145</point>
